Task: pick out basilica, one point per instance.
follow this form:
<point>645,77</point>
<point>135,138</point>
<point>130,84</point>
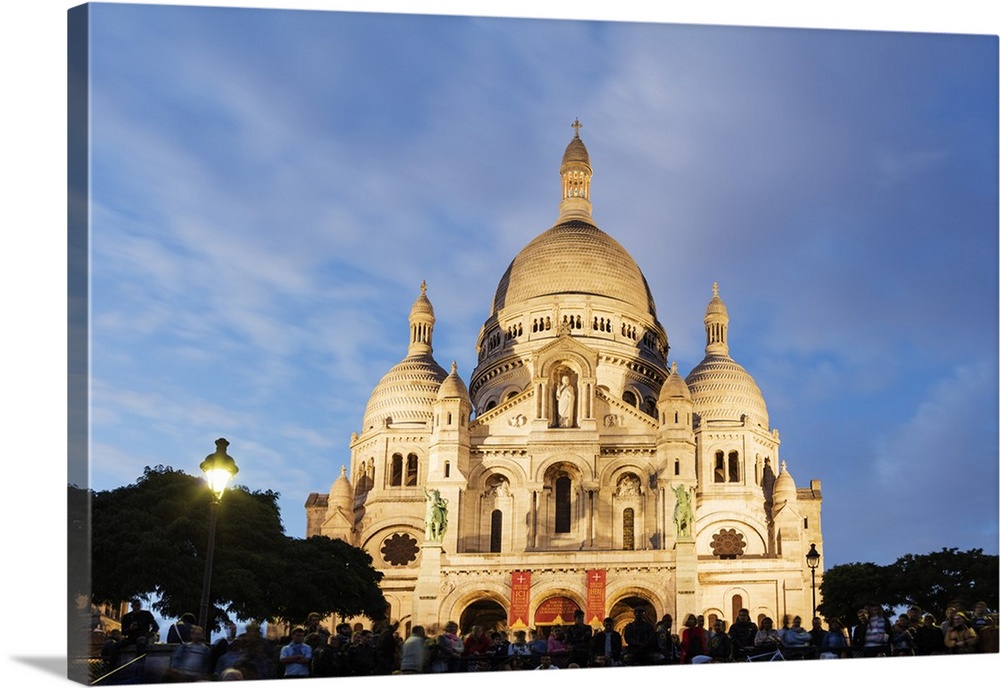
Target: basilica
<point>575,468</point>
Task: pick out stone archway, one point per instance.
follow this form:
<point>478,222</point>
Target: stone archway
<point>621,611</point>
<point>486,613</point>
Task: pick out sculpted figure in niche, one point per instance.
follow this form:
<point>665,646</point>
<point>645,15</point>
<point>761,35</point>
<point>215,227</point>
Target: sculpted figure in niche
<point>628,486</point>
<point>683,513</point>
<point>565,402</point>
<point>436,521</point>
<point>498,488</point>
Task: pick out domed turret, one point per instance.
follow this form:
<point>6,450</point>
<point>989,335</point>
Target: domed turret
<point>675,387</point>
<point>576,174</point>
<point>720,387</point>
<point>341,493</point>
<point>453,387</point>
<point>406,394</point>
<point>784,488</point>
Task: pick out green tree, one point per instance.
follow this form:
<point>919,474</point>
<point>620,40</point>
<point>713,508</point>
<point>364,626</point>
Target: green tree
<point>150,538</point>
<point>325,575</point>
<point>933,581</point>
<point>848,587</point>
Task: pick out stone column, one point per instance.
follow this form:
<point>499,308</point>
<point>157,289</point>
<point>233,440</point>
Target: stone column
<point>425,596</point>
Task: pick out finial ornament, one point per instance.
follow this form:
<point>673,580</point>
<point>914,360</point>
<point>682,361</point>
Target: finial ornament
<point>454,367</point>
<point>423,287</point>
<point>673,368</point>
<point>715,288</point>
<point>577,126</point>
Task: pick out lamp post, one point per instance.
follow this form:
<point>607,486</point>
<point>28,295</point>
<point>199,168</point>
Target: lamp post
<point>219,469</point>
<point>812,558</point>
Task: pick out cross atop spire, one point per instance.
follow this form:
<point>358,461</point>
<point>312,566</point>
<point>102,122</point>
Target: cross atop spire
<point>577,126</point>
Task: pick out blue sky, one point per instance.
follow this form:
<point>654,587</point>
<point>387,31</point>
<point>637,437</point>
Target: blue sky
<point>269,189</point>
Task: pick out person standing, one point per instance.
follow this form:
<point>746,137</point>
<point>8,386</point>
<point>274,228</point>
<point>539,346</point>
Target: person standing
<point>449,648</point>
<point>607,643</point>
<point>578,638</point>
<point>180,632</point>
<point>877,633</point>
<point>192,659</point>
<point>413,658</point>
<point>743,633</point>
<point>693,642</point>
<point>720,645</point>
<point>296,656</point>
<point>640,638</point>
<point>960,639</point>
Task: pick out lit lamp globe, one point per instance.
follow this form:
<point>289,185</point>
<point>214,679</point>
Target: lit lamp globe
<point>219,468</point>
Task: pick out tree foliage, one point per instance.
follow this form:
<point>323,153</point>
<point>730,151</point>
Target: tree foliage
<point>151,537</point>
<point>932,581</point>
<point>848,587</point>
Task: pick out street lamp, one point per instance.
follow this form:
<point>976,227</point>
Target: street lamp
<point>219,469</point>
<point>812,558</point>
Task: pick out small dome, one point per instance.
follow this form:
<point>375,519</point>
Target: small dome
<point>576,151</point>
<point>341,493</point>
<point>453,387</point>
<point>675,387</point>
<point>406,393</point>
<point>722,390</point>
<point>784,487</point>
<point>422,304</point>
<point>716,306</point>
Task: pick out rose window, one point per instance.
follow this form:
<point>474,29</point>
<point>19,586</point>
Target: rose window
<point>728,544</point>
<point>399,549</point>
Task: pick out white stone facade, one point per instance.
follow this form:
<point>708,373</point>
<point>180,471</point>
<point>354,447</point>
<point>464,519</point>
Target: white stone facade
<point>567,454</point>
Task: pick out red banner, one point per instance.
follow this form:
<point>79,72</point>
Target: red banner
<point>520,598</point>
<point>596,581</point>
<point>556,610</point>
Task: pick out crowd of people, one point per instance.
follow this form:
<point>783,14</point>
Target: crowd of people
<point>311,650</point>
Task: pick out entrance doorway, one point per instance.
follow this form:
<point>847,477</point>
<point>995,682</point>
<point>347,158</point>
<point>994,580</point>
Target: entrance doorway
<point>486,613</point>
<point>621,611</point>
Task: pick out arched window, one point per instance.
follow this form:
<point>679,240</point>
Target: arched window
<point>677,466</point>
<point>411,470</point>
<point>496,530</point>
<point>562,504</point>
<point>447,469</point>
<point>396,473</point>
<point>629,398</point>
<point>628,528</point>
<point>737,606</point>
<point>720,467</point>
<point>734,467</point>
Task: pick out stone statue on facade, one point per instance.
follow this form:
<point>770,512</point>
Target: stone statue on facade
<point>565,401</point>
<point>436,521</point>
<point>683,512</point>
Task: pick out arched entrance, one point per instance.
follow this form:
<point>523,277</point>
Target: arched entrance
<point>621,611</point>
<point>486,613</point>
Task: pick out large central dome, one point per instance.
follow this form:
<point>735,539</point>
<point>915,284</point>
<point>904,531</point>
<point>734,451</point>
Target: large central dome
<point>574,257</point>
